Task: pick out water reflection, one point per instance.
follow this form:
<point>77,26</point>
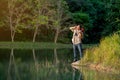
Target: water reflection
<point>77,75</point>
<point>88,74</point>
<point>56,57</point>
<point>12,74</point>
<point>53,64</point>
<point>36,65</point>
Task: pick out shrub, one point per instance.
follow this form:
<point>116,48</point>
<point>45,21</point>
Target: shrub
<point>107,53</point>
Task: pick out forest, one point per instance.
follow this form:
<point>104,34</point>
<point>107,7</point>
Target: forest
<point>41,28</point>
<point>49,20</point>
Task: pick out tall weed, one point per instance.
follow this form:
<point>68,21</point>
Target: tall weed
<point>107,53</point>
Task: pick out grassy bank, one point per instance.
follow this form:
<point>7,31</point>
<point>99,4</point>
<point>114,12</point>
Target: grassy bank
<point>30,45</point>
<point>106,55</point>
<point>37,45</point>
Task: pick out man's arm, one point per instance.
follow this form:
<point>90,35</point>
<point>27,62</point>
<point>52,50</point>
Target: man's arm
<point>72,28</point>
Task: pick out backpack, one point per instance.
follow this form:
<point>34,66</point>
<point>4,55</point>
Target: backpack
<point>82,32</point>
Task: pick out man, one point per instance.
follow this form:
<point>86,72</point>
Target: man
<point>77,40</point>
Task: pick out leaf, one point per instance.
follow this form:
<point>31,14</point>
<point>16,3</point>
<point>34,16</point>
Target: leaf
<point>19,31</point>
<point>2,24</point>
<point>55,23</point>
<point>117,20</point>
<point>43,19</point>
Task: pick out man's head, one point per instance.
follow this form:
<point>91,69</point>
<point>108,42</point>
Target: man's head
<point>78,27</point>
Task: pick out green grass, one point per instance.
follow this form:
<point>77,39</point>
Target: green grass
<point>37,45</point>
<point>30,45</point>
<point>107,53</point>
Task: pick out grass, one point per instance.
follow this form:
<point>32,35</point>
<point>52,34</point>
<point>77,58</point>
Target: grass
<point>107,53</point>
<point>30,45</point>
<point>37,45</point>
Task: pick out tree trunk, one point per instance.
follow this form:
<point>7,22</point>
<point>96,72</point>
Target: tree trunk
<point>56,36</point>
<point>13,36</point>
<point>11,20</point>
<point>35,34</point>
<point>11,28</point>
<point>12,33</point>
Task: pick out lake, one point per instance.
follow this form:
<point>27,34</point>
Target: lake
<point>45,64</point>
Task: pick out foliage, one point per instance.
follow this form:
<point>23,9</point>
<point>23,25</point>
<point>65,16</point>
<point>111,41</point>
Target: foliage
<point>80,17</point>
<point>38,17</point>
<point>107,53</point>
<point>99,17</point>
<point>103,17</point>
<point>59,18</point>
<point>112,18</point>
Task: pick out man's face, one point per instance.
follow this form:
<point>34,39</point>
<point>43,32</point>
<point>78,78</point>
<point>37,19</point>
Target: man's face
<point>78,27</point>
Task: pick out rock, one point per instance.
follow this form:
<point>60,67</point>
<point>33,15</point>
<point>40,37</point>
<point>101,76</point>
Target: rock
<point>77,63</point>
<point>76,67</point>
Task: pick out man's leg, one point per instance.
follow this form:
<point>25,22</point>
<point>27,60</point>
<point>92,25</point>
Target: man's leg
<point>80,50</point>
<point>74,52</point>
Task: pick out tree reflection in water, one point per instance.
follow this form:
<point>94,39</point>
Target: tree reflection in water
<point>77,74</point>
<point>48,65</point>
<point>56,57</point>
<point>12,68</point>
<point>36,65</point>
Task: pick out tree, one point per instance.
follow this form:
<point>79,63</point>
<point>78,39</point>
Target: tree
<point>59,17</point>
<point>75,5</point>
<point>112,18</point>
<point>80,17</point>
<point>92,14</point>
<point>16,9</point>
<point>38,16</point>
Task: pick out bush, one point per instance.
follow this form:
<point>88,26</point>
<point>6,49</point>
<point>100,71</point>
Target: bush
<point>107,53</point>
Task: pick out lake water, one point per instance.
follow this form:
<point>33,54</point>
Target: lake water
<point>45,64</point>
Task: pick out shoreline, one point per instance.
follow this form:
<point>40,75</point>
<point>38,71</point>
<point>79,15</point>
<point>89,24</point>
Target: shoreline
<point>97,67</point>
<point>39,45</point>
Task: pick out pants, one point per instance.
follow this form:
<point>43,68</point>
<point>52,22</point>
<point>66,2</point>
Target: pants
<point>79,46</point>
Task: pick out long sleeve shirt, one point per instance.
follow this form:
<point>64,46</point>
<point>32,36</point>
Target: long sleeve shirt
<point>77,36</point>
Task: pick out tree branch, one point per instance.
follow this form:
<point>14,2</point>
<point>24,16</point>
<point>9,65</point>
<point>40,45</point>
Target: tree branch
<point>64,29</point>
